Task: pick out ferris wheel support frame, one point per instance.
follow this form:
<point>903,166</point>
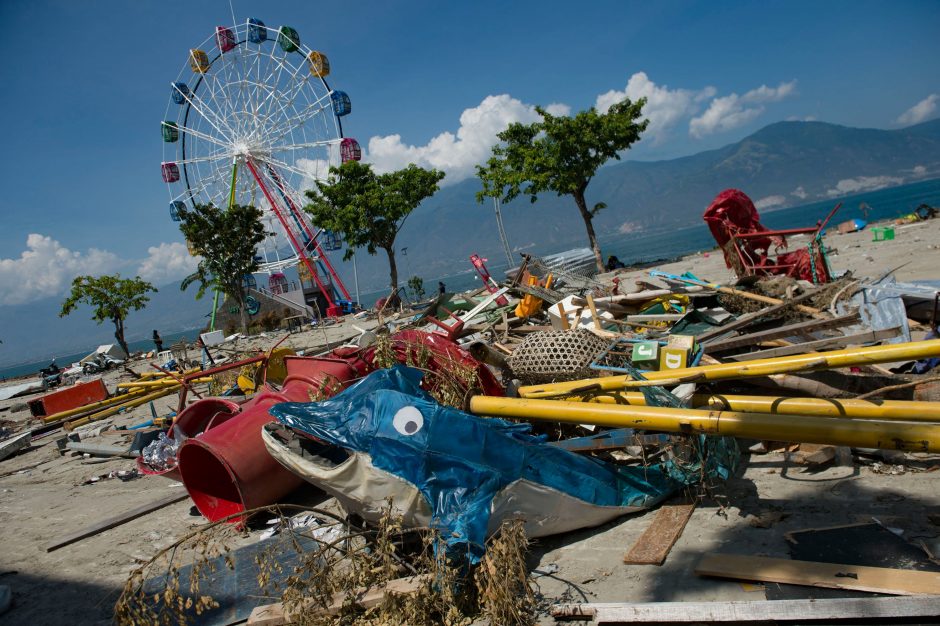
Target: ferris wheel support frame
<point>295,212</point>
<point>332,310</point>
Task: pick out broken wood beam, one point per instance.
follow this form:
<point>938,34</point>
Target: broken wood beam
<point>820,344</point>
<point>657,540</point>
<point>810,573</point>
<point>366,597</point>
<point>777,333</point>
<point>116,520</point>
<point>812,609</point>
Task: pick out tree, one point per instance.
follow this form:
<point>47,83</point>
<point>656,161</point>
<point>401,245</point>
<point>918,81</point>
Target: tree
<point>561,154</point>
<point>369,209</point>
<point>112,298</point>
<point>226,241</point>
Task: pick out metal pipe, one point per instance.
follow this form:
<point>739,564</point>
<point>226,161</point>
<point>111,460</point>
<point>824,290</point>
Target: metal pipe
<point>912,351</point>
<point>797,428</point>
<point>133,402</point>
<point>94,405</point>
<point>902,410</point>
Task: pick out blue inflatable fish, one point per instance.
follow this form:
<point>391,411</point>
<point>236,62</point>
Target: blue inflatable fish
<point>386,440</point>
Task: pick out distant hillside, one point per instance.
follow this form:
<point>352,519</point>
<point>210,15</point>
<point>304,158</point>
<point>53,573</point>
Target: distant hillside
<point>797,161</point>
<point>36,330</point>
<point>793,162</point>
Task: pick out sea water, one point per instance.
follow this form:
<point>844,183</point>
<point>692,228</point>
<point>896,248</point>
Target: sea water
<point>634,248</point>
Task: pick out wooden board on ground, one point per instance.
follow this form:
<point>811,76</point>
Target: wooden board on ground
<point>117,520</point>
<point>654,544</point>
<point>783,331</point>
<point>366,597</point>
<point>835,609</point>
<point>832,575</point>
<point>820,344</point>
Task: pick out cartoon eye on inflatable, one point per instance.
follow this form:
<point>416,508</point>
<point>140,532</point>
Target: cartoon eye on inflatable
<point>408,420</point>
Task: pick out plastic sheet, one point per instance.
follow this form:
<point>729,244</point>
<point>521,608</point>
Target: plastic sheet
<point>471,472</point>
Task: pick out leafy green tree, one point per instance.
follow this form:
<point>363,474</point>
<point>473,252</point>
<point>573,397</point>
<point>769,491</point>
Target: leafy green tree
<point>111,297</point>
<point>416,284</point>
<point>561,154</point>
<point>369,209</point>
<point>226,241</point>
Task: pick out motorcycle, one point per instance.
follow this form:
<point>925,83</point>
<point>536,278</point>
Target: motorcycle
<point>51,374</point>
<point>100,363</point>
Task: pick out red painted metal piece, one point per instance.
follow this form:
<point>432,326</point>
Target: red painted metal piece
<point>195,419</point>
<point>299,218</point>
<point>69,398</point>
<point>480,265</point>
<point>752,249</point>
<point>227,469</point>
<point>290,232</point>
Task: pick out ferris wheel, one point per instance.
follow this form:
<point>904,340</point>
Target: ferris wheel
<point>251,119</point>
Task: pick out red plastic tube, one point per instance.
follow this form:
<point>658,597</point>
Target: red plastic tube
<point>227,469</point>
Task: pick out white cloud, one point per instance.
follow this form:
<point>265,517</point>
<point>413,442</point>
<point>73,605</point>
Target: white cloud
<point>664,107</point>
<point>863,183</point>
<point>166,263</point>
<point>457,154</point>
<point>770,202</point>
<point>733,111</point>
<point>799,192</point>
<point>920,112</point>
<point>46,268</point>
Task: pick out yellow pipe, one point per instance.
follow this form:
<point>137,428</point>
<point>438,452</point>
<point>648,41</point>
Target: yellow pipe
<point>796,428</point>
<point>902,410</point>
<point>117,409</point>
<point>94,405</point>
<point>760,367</point>
<point>167,382</point>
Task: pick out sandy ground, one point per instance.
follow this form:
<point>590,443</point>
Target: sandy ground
<point>42,496</point>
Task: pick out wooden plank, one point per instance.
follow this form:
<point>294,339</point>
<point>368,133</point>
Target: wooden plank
<point>597,321</point>
<point>782,331</point>
<point>116,520</point>
<point>820,344</point>
<point>835,609</point>
<point>366,597</point>
<point>654,544</point>
<point>832,575</point>
<point>749,318</point>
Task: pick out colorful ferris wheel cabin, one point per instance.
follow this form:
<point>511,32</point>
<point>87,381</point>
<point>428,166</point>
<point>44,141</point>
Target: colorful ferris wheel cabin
<point>257,33</point>
<point>224,38</point>
<point>198,61</point>
<point>319,64</point>
<point>288,39</point>
<point>175,207</point>
<point>171,172</point>
<point>349,150</point>
<point>341,103</point>
<point>277,283</point>
<point>170,130</point>
<point>331,241</point>
<point>179,93</point>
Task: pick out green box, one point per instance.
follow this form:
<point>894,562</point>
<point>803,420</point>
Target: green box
<point>645,354</point>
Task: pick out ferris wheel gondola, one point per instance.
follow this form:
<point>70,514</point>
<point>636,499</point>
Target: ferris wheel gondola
<point>256,122</point>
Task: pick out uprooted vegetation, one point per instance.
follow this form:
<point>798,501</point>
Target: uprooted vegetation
<point>322,570</point>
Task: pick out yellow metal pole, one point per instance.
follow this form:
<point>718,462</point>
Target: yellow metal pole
<point>797,428</point>
<point>136,401</point>
<point>94,405</point>
<point>902,410</point>
<point>167,382</point>
<point>761,367</point>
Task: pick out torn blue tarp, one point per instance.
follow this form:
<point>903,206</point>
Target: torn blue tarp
<point>457,472</point>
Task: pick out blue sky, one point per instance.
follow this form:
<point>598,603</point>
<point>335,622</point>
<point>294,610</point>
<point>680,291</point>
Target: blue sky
<point>86,85</point>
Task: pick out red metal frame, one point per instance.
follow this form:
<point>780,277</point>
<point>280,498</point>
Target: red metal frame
<point>761,266</point>
<point>290,235</point>
<point>314,238</point>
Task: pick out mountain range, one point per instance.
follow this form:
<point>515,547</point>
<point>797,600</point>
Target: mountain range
<point>783,164</point>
